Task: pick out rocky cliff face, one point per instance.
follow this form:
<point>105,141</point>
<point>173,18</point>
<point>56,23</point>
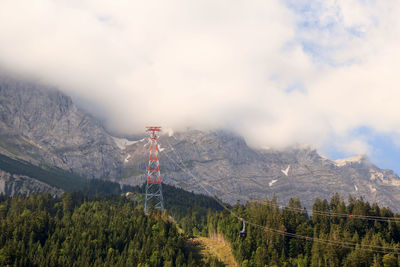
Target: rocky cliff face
<point>224,165</point>
<point>42,125</point>
<point>39,123</point>
<point>11,184</point>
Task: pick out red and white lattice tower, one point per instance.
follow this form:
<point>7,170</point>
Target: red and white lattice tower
<point>153,185</point>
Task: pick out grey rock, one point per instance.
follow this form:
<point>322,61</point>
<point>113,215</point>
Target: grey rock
<point>40,124</point>
<point>11,184</point>
<point>220,163</point>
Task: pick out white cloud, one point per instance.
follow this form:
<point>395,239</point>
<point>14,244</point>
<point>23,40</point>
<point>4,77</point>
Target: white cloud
<point>220,63</point>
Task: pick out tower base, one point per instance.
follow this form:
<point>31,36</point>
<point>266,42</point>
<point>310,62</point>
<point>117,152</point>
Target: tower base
<point>154,193</point>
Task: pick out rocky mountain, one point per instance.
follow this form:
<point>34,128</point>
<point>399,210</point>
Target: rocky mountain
<point>12,184</point>
<point>225,166</point>
<point>42,126</point>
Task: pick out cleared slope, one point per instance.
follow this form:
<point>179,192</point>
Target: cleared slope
<point>216,247</point>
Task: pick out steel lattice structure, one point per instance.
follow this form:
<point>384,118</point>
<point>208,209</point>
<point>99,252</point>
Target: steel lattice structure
<point>154,182</point>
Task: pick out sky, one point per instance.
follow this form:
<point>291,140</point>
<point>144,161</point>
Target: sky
<point>279,72</point>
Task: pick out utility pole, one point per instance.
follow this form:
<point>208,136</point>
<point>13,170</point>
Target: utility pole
<point>153,185</point>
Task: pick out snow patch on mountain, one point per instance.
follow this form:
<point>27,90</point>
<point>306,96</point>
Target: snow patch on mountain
<point>285,172</point>
<point>127,158</point>
<point>272,182</point>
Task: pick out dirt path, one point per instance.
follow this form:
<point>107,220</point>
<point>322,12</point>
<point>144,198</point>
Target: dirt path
<point>215,246</point>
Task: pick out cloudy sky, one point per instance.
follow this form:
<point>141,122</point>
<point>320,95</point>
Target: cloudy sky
<point>321,72</point>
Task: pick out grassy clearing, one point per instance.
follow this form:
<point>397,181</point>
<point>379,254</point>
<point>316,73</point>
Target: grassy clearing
<point>215,246</point>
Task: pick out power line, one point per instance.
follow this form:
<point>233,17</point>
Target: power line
<point>371,248</point>
<point>345,244</point>
<point>335,214</point>
<point>326,213</point>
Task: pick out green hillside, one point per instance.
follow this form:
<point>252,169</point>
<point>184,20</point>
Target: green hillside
<point>338,234</point>
<point>82,230</point>
<point>42,231</point>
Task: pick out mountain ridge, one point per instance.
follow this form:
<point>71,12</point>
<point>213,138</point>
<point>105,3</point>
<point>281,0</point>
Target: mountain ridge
<point>43,126</point>
<point>244,173</point>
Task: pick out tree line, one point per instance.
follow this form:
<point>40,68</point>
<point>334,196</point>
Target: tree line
<point>103,227</point>
<point>40,230</point>
<point>290,237</point>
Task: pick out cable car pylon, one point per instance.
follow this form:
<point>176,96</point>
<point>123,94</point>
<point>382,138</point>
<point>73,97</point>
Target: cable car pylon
<point>154,182</point>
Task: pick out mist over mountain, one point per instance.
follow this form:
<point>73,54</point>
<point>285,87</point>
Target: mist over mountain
<point>43,126</point>
<point>279,141</point>
<point>228,168</point>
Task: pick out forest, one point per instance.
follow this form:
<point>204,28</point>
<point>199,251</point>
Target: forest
<point>102,226</point>
<point>105,226</point>
<point>356,234</point>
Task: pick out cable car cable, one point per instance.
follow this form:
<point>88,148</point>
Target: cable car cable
<point>307,238</point>
<point>327,213</point>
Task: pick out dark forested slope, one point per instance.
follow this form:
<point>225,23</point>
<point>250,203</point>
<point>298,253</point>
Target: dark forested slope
<point>99,227</point>
<point>43,231</point>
